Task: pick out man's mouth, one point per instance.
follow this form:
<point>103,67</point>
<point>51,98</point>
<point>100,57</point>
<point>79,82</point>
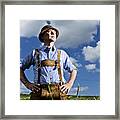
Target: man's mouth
<point>51,38</point>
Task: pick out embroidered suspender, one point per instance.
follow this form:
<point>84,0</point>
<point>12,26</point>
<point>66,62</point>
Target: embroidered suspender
<point>58,65</point>
<point>38,65</point>
<point>37,61</point>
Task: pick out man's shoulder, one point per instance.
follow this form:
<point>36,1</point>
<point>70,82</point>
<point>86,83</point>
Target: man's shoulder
<point>63,52</point>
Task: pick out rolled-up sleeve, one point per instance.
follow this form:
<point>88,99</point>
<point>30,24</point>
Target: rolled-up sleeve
<point>27,61</point>
<point>68,65</point>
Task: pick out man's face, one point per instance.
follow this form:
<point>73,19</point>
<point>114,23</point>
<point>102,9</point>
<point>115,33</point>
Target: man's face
<point>49,36</point>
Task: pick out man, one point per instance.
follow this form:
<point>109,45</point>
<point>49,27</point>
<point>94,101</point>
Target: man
<point>48,64</point>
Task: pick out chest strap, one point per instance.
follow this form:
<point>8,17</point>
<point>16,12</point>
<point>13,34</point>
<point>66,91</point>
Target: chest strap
<point>48,63</point>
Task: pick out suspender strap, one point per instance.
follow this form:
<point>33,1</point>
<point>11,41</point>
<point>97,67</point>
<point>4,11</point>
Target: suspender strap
<point>38,65</point>
<point>58,65</point>
<point>37,54</point>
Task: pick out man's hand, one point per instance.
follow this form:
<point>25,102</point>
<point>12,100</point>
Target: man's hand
<point>66,87</point>
<point>34,88</point>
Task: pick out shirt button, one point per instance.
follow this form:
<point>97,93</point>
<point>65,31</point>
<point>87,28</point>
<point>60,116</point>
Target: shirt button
<point>50,74</point>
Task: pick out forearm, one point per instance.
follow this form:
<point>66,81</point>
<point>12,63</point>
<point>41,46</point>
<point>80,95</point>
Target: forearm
<point>66,87</point>
<point>72,76</point>
<point>23,78</point>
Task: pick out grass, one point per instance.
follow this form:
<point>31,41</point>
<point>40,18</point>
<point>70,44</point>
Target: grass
<point>27,97</point>
<point>84,98</point>
<point>24,97</point>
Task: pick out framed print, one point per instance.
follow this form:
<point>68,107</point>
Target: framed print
<point>60,60</point>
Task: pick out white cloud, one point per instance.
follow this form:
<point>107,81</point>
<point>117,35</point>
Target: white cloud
<point>29,28</point>
<point>92,53</point>
<point>90,67</point>
<point>76,32</point>
<point>79,65</point>
<point>75,62</point>
<point>73,90</point>
<point>72,32</point>
<point>97,70</point>
<point>23,89</point>
<point>83,89</point>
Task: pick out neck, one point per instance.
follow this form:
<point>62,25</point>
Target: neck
<point>49,45</point>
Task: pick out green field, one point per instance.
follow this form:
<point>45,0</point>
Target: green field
<point>27,97</point>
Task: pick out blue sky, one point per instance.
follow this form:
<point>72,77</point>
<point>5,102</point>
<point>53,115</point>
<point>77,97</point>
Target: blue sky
<point>80,39</point>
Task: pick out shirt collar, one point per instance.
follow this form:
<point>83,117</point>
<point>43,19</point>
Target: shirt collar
<point>44,47</point>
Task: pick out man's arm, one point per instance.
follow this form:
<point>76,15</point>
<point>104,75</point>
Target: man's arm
<point>23,78</point>
<point>68,65</point>
<point>28,84</point>
<point>66,87</point>
<point>72,76</point>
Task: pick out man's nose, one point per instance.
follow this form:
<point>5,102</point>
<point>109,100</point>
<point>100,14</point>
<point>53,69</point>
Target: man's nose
<point>51,34</point>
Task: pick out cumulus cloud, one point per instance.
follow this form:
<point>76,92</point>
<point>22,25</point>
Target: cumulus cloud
<point>92,54</point>
<point>23,89</point>
<point>73,90</point>
<point>72,32</point>
<point>90,67</point>
<point>29,28</point>
<point>97,70</point>
<point>75,62</point>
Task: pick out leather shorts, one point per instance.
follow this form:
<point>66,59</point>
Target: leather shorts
<point>48,92</point>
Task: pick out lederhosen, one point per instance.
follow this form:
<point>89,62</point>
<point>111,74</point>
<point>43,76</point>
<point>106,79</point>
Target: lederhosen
<point>48,91</point>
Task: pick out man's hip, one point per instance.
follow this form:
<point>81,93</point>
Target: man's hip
<point>48,92</point>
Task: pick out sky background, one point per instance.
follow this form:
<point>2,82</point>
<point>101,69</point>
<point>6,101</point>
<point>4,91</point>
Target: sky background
<point>80,39</point>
